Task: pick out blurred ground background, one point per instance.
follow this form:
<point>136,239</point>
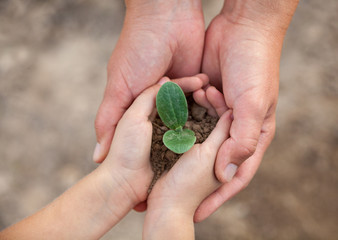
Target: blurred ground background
<point>53,57</point>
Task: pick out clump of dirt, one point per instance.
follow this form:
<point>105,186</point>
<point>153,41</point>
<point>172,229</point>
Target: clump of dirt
<point>162,159</point>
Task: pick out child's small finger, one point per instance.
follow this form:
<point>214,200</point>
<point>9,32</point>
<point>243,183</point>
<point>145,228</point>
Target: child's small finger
<point>219,134</point>
<point>216,99</point>
<point>201,99</point>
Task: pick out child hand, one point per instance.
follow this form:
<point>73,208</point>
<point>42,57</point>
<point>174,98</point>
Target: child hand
<point>178,193</point>
<point>128,158</point>
<point>192,178</point>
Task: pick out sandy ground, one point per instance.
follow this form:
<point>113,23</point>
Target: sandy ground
<point>53,59</point>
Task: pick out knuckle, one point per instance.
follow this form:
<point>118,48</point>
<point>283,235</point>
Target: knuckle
<point>197,150</point>
<point>246,148</point>
<point>258,106</point>
<point>273,130</point>
<point>269,129</point>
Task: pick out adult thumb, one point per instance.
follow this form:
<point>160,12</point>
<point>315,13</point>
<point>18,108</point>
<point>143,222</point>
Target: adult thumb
<point>116,101</point>
<point>245,131</point>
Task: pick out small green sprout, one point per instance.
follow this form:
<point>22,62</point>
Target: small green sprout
<point>172,107</point>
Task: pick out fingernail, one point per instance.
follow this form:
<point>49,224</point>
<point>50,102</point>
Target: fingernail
<point>230,171</point>
<point>96,155</point>
<point>163,80</point>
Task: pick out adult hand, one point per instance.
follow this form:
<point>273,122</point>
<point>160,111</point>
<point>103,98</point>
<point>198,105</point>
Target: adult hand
<point>158,38</point>
<point>241,57</point>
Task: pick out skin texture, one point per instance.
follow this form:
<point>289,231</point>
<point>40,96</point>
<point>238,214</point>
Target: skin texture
<point>101,199</point>
<point>241,51</point>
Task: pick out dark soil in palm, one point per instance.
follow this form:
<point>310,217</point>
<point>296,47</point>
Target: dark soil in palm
<point>162,159</point>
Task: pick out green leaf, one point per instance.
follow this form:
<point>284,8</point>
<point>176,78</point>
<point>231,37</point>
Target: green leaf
<point>172,105</point>
<point>179,141</point>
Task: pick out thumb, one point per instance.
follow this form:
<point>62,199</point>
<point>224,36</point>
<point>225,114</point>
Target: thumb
<point>244,134</point>
<point>116,100</point>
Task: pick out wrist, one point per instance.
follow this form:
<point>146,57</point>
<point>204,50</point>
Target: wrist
<point>163,198</point>
<point>269,15</point>
<point>160,221</point>
<point>168,8</point>
<point>124,186</point>
<point>115,191</point>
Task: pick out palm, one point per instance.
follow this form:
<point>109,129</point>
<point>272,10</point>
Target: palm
<point>239,60</point>
<point>158,47</point>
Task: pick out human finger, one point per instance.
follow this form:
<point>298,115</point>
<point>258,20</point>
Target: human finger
<point>242,178</point>
<point>216,99</point>
<point>201,99</point>
<point>108,116</point>
<point>144,105</point>
<point>191,84</point>
<point>244,135</point>
<point>219,134</point>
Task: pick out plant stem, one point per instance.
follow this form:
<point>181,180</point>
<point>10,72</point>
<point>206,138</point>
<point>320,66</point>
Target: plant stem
<point>179,129</point>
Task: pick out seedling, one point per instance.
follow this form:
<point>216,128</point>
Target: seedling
<point>172,107</point>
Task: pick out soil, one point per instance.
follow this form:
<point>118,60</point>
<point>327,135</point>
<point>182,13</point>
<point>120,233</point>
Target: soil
<point>162,159</point>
